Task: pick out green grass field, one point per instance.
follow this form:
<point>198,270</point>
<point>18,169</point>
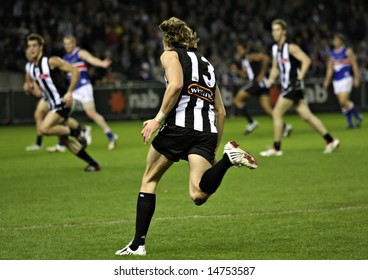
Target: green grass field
<point>304,205</point>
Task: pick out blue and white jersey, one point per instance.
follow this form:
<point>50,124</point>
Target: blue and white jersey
<point>341,64</point>
<point>82,66</point>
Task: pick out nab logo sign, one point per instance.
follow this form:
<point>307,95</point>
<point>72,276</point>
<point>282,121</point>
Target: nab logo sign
<point>316,94</point>
<point>144,100</point>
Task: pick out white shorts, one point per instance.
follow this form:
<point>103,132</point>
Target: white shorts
<point>83,97</point>
<point>344,85</point>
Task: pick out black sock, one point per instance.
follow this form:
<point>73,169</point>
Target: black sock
<point>247,115</point>
<point>277,145</point>
<point>328,138</point>
<point>146,205</point>
<point>39,140</point>
<point>74,132</point>
<point>82,154</point>
<point>212,178</point>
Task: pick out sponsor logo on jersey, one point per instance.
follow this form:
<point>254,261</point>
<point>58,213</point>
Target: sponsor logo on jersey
<point>201,92</point>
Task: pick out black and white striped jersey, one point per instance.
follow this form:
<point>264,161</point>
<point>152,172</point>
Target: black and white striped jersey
<point>53,83</point>
<point>195,106</point>
<point>289,66</point>
<point>252,70</point>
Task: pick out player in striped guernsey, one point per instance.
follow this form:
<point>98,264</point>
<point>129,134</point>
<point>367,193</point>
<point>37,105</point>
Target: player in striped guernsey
<point>343,68</point>
<point>83,92</point>
<point>194,116</point>
<point>30,87</point>
<point>252,67</point>
<point>292,64</point>
<point>50,75</point>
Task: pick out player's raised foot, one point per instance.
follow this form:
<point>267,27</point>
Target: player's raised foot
<point>271,152</point>
<point>113,142</point>
<point>251,126</point>
<point>56,149</point>
<point>332,146</point>
<point>87,134</point>
<point>92,167</point>
<point>288,129</point>
<point>33,147</point>
<point>238,157</point>
<point>126,251</point>
<point>358,123</point>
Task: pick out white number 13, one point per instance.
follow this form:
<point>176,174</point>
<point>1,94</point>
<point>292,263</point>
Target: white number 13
<point>210,82</point>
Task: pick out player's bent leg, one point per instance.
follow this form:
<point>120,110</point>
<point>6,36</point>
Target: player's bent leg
<point>50,125</point>
<point>77,149</point>
<point>72,146</point>
<point>54,124</point>
<point>72,123</point>
<point>198,165</point>
<point>240,98</point>
<point>40,113</point>
<point>265,102</point>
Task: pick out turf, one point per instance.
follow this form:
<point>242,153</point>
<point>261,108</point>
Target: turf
<point>304,205</point>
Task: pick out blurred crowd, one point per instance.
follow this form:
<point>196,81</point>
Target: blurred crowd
<point>127,30</point>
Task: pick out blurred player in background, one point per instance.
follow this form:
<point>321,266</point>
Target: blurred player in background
<point>42,108</point>
<point>194,118</point>
<point>253,67</point>
<point>83,93</point>
<point>292,64</point>
<point>343,68</point>
<point>50,75</point>
<point>31,88</point>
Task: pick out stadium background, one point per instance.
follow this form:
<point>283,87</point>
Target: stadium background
<point>127,32</point>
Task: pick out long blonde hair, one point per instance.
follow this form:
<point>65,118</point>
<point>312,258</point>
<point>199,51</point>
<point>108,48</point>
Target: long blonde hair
<point>177,34</point>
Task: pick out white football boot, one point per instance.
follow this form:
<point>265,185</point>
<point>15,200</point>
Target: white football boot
<point>238,157</point>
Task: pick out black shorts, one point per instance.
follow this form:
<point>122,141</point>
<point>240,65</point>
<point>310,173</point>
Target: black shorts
<point>254,89</point>
<point>63,111</point>
<point>294,93</point>
<point>176,143</point>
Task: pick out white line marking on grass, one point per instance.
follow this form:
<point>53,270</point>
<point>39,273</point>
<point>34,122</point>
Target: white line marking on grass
<point>254,214</point>
<point>270,213</point>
